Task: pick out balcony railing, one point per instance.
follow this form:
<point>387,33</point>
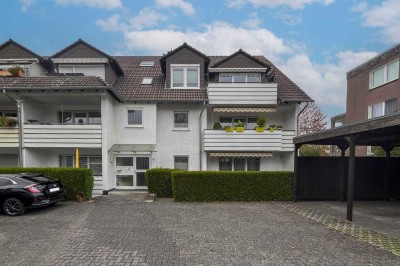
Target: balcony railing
<point>254,94</point>
<point>62,136</point>
<point>9,137</point>
<point>249,140</point>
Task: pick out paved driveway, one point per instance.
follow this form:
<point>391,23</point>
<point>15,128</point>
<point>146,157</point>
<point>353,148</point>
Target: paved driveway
<point>124,230</point>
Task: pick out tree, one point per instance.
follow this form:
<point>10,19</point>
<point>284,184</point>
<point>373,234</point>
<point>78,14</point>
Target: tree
<point>312,120</point>
<point>379,152</point>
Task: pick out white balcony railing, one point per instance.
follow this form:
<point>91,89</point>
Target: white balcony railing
<point>254,94</point>
<point>249,140</point>
<point>62,136</point>
<point>9,137</point>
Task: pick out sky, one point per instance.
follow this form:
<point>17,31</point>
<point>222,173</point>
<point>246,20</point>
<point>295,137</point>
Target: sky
<point>314,42</point>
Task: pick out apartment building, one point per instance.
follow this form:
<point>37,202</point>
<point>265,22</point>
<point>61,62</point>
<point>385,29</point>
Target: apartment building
<point>126,114</point>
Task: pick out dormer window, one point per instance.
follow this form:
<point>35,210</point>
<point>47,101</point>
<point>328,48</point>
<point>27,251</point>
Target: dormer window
<point>239,77</point>
<point>147,81</point>
<point>147,63</point>
<point>185,76</point>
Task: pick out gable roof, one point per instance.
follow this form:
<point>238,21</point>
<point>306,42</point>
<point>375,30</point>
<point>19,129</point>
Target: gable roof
<point>184,45</point>
<point>114,64</point>
<point>240,51</point>
<point>12,42</point>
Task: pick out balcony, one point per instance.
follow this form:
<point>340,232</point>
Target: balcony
<point>62,136</point>
<point>9,137</point>
<point>236,94</point>
<point>249,140</point>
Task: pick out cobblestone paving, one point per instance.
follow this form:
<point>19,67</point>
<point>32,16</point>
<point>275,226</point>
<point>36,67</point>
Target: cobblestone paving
<point>380,240</point>
<point>124,230</point>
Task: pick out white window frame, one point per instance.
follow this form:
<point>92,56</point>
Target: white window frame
<point>245,164</point>
<point>173,121</point>
<point>74,160</point>
<point>370,108</point>
<point>188,160</point>
<point>147,81</point>
<point>147,63</point>
<point>127,109</point>
<point>233,74</point>
<point>185,67</point>
<point>385,75</point>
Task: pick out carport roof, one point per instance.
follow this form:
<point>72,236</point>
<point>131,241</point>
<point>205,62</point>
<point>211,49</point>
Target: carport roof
<point>372,132</point>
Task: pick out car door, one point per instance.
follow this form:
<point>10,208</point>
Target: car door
<point>5,184</point>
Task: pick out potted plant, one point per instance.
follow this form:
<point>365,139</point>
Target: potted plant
<point>3,121</point>
<point>261,121</point>
<point>271,128</point>
<point>228,128</point>
<point>239,126</point>
<point>217,126</point>
<point>16,71</point>
<point>279,127</point>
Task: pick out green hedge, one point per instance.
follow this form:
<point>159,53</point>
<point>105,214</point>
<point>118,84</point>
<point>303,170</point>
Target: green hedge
<point>75,180</point>
<point>231,186</point>
<point>159,181</point>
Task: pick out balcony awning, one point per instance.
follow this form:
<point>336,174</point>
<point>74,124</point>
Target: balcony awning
<point>133,147</point>
<point>241,154</point>
<point>244,110</point>
<point>238,70</point>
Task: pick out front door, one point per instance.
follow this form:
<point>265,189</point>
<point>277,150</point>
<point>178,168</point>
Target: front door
<point>130,171</point>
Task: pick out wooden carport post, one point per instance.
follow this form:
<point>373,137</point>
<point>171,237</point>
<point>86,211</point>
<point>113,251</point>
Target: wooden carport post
<point>296,159</point>
<point>387,149</point>
<point>350,183</point>
<point>343,148</point>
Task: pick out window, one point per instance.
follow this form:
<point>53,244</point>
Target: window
<point>91,162</point>
<point>249,122</point>
<point>8,114</point>
<point>87,70</point>
<point>5,182</point>
<point>124,161</point>
<point>185,76</point>
<point>239,164</point>
<point>384,74</point>
<point>79,117</point>
<point>142,164</point>
<point>181,162</point>
<point>382,108</point>
<point>147,81</point>
<point>240,77</point>
<point>181,119</point>
<point>147,63</point>
<point>135,117</point>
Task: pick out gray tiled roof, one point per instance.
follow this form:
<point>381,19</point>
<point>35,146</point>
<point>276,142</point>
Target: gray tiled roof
<point>130,88</point>
<point>52,82</point>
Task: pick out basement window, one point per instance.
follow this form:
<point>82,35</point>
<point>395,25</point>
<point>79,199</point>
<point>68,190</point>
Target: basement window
<point>147,64</point>
<point>147,81</point>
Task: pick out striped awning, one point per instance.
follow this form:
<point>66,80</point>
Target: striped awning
<point>238,70</point>
<point>244,110</point>
<point>241,154</point>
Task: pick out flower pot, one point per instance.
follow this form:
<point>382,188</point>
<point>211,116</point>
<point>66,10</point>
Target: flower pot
<point>229,129</point>
<point>260,129</point>
<point>239,129</point>
<point>271,129</point>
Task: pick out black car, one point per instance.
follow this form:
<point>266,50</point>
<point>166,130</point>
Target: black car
<point>19,192</point>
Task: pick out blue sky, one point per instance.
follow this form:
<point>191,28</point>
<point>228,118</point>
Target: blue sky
<point>313,41</point>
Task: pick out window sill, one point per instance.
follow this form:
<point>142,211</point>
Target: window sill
<point>379,86</point>
<point>134,126</point>
<point>181,129</point>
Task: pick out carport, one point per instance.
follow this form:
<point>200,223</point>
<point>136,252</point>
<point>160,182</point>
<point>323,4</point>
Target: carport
<point>382,131</point>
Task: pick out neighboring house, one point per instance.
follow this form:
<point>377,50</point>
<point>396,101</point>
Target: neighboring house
<point>127,114</point>
<point>373,90</point>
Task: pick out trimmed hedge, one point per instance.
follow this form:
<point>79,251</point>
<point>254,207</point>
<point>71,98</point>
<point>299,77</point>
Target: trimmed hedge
<point>231,186</point>
<point>159,181</point>
<point>77,181</point>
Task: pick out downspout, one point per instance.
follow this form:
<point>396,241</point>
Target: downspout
<point>20,142</point>
<point>201,135</point>
<point>298,116</point>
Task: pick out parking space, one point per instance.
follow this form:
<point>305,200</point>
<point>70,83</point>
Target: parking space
<point>125,230</point>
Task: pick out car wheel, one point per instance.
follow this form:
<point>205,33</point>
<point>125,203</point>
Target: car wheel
<point>13,207</point>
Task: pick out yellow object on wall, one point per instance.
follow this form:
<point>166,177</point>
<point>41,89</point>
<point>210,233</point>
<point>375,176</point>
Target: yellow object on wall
<point>76,158</point>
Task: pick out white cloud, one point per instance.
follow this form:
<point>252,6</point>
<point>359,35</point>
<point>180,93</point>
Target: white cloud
<point>385,16</point>
<point>253,22</point>
<point>286,17</point>
<point>147,18</point>
<point>294,4</point>
<point>325,83</point>
<point>26,4</point>
<point>103,4</point>
<point>111,24</point>
<point>216,38</point>
<point>186,7</point>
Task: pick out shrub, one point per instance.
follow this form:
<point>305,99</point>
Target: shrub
<point>77,181</point>
<point>159,181</point>
<point>217,126</point>
<point>16,71</point>
<point>261,121</point>
<point>231,186</point>
<point>3,121</point>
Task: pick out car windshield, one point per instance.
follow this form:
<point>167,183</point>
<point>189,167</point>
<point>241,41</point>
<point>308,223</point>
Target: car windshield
<point>35,178</point>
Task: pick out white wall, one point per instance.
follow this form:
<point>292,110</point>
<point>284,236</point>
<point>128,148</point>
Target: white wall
<point>8,160</point>
<point>172,142</point>
<point>36,70</point>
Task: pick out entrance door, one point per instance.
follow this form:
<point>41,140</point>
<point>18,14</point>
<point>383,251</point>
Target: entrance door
<point>124,172</point>
<point>130,171</point>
